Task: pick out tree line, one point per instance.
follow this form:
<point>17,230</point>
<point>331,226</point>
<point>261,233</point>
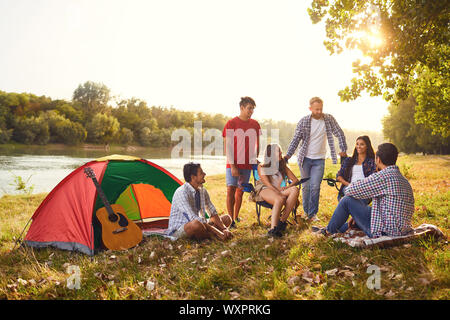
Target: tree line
<point>90,118</point>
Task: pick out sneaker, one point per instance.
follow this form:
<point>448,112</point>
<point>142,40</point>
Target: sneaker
<point>233,225</point>
<point>282,225</point>
<point>320,230</point>
<point>274,232</point>
<point>238,220</point>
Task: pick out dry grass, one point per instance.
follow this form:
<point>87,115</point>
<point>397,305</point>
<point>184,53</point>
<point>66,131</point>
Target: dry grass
<point>251,266</point>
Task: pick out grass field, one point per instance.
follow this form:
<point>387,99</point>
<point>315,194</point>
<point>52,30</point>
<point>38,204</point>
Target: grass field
<point>250,266</point>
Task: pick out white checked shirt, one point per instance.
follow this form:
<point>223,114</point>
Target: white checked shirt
<point>183,208</point>
<point>303,132</point>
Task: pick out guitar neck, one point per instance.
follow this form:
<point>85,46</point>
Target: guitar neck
<point>102,196</point>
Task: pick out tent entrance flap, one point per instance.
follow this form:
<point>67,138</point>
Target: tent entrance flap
<point>144,203</point>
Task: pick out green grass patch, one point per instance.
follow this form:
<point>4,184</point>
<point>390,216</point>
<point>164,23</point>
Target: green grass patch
<point>298,266</point>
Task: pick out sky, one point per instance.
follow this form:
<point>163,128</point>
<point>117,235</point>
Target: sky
<point>196,55</point>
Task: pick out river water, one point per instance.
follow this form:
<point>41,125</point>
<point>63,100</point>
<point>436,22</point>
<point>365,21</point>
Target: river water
<point>44,167</point>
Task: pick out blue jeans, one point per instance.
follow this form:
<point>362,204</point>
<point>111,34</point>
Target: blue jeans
<point>314,169</point>
<point>356,208</point>
<point>341,195</point>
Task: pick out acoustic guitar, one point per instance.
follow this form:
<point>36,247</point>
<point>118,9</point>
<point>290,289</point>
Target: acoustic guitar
<point>118,232</point>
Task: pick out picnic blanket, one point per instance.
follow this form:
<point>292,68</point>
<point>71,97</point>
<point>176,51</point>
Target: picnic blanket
<point>358,239</point>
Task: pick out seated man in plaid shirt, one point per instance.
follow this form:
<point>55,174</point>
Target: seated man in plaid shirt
<point>392,200</point>
<point>190,202</point>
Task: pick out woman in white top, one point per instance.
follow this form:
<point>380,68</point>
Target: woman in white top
<point>272,173</point>
<point>359,166</point>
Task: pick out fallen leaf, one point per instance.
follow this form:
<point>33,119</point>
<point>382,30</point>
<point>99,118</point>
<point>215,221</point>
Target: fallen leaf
<point>390,294</point>
<point>226,253</point>
<point>150,285</point>
<point>234,295</point>
<point>317,279</point>
<point>296,290</point>
<point>331,272</point>
<point>308,276</point>
<point>424,281</point>
<point>293,280</point>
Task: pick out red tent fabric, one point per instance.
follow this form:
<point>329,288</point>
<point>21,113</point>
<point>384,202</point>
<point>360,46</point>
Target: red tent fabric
<point>64,219</point>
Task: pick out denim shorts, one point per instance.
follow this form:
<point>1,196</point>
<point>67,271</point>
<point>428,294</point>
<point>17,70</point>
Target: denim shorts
<point>244,177</point>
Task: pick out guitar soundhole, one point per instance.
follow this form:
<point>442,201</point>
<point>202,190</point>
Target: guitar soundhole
<point>123,222</point>
<point>113,217</point>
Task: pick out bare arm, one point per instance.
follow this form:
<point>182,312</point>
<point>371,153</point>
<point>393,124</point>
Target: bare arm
<point>291,177</point>
<point>343,181</point>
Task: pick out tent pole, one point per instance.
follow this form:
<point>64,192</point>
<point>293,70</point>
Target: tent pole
<point>20,237</point>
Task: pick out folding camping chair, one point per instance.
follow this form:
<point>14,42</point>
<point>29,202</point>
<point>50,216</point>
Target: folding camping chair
<point>334,183</point>
<point>248,187</point>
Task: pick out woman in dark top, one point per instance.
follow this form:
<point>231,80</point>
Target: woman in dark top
<point>359,166</point>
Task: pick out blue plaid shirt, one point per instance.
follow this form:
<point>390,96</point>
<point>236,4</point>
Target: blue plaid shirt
<point>303,131</point>
<point>183,209</point>
<point>392,201</point>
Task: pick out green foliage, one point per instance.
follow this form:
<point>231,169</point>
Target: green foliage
<point>432,93</point>
<point>126,136</point>
<point>102,128</point>
<point>295,267</point>
<point>23,185</point>
<point>5,135</point>
<point>400,127</point>
<point>93,98</point>
<point>33,130</point>
<point>413,56</point>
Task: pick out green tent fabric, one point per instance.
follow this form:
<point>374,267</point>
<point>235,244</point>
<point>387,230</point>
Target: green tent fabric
<point>120,174</point>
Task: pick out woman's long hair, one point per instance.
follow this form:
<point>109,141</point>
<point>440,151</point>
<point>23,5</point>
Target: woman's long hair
<point>369,154</point>
<point>272,154</point>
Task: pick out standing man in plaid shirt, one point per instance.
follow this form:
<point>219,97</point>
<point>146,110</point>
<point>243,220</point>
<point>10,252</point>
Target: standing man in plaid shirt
<point>392,200</point>
<point>314,131</point>
<point>190,205</point>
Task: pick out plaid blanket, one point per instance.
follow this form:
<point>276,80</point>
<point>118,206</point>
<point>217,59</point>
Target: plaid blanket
<point>357,238</point>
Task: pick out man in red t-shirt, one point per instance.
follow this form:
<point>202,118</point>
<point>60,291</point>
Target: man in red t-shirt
<point>241,140</point>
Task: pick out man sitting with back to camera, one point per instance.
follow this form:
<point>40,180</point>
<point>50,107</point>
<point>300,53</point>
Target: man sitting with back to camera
<point>190,203</point>
<point>392,201</point>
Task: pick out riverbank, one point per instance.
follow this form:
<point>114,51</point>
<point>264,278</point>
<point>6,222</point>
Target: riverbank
<point>82,150</point>
<point>251,266</point>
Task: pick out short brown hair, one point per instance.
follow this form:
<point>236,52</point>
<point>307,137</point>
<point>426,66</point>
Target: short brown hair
<point>247,100</point>
<point>315,99</point>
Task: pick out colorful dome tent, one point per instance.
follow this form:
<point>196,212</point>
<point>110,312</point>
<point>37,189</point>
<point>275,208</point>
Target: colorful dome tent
<point>66,218</point>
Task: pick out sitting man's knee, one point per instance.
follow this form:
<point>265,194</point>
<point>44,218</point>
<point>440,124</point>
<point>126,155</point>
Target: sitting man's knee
<point>194,227</point>
<point>346,200</point>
